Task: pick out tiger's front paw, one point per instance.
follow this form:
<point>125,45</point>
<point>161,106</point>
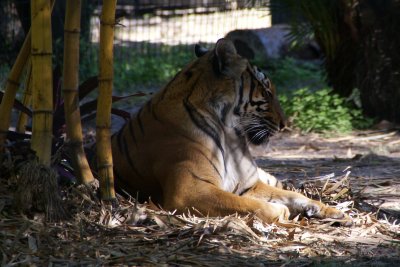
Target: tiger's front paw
<point>322,211</point>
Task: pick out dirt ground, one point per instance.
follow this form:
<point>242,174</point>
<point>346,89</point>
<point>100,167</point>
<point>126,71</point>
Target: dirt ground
<point>358,173</point>
<point>372,157</point>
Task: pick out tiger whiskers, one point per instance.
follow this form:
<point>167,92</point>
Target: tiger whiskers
<point>260,135</point>
<point>256,130</point>
<point>249,124</point>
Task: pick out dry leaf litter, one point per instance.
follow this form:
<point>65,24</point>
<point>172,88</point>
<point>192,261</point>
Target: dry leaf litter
<point>97,234</point>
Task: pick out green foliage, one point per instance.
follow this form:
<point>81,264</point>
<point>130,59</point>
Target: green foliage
<point>146,70</point>
<point>322,111</point>
<point>141,71</point>
<point>310,108</point>
<point>88,60</point>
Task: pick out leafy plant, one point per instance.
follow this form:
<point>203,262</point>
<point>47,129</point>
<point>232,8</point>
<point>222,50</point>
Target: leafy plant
<point>322,111</point>
<point>146,70</point>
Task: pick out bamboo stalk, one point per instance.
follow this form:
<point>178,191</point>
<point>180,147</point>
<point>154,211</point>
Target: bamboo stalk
<point>42,101</point>
<point>11,89</point>
<point>103,119</point>
<point>70,91</point>
<point>23,117</point>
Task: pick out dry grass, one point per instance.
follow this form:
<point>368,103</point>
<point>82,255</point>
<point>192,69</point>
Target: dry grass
<point>132,234</point>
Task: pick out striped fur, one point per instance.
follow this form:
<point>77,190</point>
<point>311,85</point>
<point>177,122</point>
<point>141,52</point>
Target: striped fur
<point>189,145</point>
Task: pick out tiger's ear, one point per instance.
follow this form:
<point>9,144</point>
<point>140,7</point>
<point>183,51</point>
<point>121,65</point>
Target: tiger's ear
<point>230,63</point>
<point>199,50</point>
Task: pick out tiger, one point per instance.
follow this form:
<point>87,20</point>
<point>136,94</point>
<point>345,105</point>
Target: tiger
<point>188,147</point>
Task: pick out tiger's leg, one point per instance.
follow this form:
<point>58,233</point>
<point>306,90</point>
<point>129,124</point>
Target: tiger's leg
<point>296,202</point>
<point>210,200</point>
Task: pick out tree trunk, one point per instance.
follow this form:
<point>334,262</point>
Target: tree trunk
<point>70,92</point>
<point>42,80</point>
<point>378,71</point>
<point>103,119</point>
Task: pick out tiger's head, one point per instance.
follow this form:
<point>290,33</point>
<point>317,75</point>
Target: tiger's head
<point>260,113</point>
<point>256,113</point>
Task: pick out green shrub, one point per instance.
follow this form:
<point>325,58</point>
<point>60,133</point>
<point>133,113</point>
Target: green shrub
<point>322,111</point>
<point>145,70</point>
<point>134,70</point>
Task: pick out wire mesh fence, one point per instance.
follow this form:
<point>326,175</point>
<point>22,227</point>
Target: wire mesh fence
<point>154,27</point>
<point>146,31</point>
<point>147,25</point>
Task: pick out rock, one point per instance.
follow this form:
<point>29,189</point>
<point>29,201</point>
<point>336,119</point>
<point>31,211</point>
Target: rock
<point>271,43</point>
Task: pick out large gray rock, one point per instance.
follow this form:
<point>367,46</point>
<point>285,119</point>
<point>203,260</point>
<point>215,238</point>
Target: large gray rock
<point>270,43</point>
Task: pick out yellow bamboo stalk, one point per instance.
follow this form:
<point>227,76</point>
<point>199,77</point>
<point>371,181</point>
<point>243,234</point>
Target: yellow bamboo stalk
<point>103,118</point>
<point>26,100</point>
<point>42,80</point>
<point>70,91</point>
<point>11,89</point>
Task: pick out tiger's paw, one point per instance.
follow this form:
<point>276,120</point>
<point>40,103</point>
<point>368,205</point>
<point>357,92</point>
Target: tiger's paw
<point>321,211</point>
<point>342,218</point>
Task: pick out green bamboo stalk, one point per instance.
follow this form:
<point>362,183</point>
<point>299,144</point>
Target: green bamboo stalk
<point>11,89</point>
<point>70,91</point>
<point>27,98</point>
<point>42,80</point>
<point>103,119</point>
